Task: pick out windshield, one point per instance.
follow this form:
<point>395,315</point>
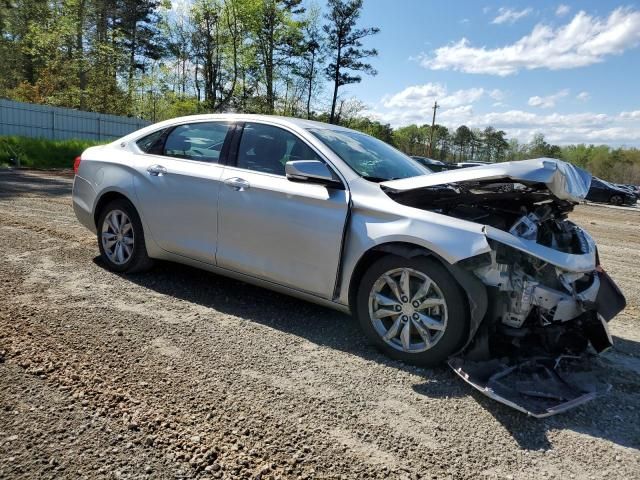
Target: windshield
<point>371,158</point>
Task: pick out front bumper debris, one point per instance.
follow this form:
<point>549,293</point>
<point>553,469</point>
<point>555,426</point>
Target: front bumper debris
<point>543,383</point>
<point>539,387</point>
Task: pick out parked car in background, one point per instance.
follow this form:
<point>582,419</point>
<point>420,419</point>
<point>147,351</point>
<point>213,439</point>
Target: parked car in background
<point>633,189</point>
<point>471,164</point>
<point>602,191</point>
<point>443,266</point>
<point>431,164</point>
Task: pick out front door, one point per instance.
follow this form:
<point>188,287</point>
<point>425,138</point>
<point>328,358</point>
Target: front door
<point>272,228</point>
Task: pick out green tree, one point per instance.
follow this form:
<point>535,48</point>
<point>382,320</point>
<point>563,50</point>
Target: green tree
<point>540,148</point>
<point>412,139</point>
<point>216,39</point>
<point>345,44</point>
<point>311,57</point>
<point>462,140</point>
<point>277,36</point>
<point>137,23</point>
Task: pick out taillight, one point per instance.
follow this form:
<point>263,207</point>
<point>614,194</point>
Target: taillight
<point>76,164</point>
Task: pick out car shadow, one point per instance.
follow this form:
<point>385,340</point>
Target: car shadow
<point>613,417</point>
<point>15,183</point>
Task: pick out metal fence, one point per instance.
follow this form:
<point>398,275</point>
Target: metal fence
<point>55,123</point>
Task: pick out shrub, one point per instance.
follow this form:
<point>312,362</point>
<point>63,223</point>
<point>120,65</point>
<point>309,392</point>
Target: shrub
<point>40,152</point>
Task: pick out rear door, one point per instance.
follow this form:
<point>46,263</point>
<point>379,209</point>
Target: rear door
<point>272,228</point>
<point>177,184</point>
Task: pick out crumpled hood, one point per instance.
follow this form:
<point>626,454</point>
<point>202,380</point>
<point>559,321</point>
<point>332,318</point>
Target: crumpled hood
<point>564,181</point>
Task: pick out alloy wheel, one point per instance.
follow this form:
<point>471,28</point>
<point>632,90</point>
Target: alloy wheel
<point>408,310</point>
<point>117,237</point>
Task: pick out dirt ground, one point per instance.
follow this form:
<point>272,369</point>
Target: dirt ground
<point>178,373</point>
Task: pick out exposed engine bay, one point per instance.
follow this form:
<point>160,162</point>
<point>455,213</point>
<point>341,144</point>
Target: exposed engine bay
<point>545,321</point>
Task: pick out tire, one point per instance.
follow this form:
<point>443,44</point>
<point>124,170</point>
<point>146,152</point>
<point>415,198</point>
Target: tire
<point>616,200</point>
<point>451,317</point>
<point>133,257</point>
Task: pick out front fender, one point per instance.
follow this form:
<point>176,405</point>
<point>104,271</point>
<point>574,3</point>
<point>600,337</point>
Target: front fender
<point>451,241</point>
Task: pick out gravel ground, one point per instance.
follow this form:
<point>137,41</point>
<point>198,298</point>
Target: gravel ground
<point>180,373</point>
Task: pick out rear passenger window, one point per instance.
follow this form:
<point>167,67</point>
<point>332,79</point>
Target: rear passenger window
<point>197,141</point>
<point>265,148</point>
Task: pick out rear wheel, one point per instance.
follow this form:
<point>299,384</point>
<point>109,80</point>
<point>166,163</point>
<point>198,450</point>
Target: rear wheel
<point>121,238</point>
<point>412,309</point>
<point>616,200</point>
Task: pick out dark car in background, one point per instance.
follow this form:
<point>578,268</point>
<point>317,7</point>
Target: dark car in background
<point>602,191</point>
<point>431,164</point>
<point>471,164</point>
<point>632,189</point>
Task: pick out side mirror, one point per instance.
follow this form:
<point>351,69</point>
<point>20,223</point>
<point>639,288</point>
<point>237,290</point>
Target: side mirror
<point>311,171</point>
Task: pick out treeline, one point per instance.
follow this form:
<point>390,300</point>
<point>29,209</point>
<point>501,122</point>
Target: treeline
<point>147,59</point>
<point>154,60</point>
<point>620,165</point>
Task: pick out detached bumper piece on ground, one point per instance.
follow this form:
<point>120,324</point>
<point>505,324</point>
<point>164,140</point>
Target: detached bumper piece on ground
<point>539,387</point>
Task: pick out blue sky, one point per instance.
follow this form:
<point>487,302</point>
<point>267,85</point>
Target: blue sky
<point>570,70</point>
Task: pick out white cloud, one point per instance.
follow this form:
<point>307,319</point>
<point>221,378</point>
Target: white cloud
<point>423,96</point>
<point>562,10</point>
<point>414,94</point>
<point>635,115</point>
<point>549,101</point>
<point>590,127</point>
<point>460,97</point>
<point>583,96</point>
<point>457,115</point>
<point>583,41</point>
<point>519,118</point>
<point>508,15</point>
<point>497,94</point>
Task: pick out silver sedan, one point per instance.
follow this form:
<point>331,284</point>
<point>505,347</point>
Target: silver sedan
<point>468,265</point>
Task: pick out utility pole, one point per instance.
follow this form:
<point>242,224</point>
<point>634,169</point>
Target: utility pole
<point>433,124</point>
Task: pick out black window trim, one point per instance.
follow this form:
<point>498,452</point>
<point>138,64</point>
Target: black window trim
<point>235,145</point>
<point>233,125</point>
<point>160,139</point>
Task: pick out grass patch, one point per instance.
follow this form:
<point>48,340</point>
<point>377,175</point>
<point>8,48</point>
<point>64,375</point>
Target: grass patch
<point>40,152</point>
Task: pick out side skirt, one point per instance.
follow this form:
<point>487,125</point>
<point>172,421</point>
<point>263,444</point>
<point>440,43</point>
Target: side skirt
<point>256,281</point>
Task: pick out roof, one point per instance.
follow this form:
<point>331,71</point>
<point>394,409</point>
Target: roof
<point>299,122</point>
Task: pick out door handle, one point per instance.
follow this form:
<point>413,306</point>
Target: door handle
<point>238,184</point>
<point>156,170</point>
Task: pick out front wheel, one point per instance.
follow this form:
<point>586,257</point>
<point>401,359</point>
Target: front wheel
<point>412,309</point>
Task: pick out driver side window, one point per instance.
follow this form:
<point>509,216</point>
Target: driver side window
<point>265,148</point>
<point>197,141</point>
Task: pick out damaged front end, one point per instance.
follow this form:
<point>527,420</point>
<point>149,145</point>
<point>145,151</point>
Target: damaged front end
<point>549,300</point>
<point>535,345</point>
